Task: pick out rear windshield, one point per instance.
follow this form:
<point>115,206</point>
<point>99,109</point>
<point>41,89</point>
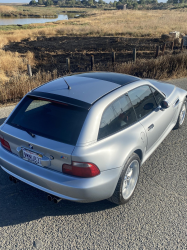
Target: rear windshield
<point>56,121</point>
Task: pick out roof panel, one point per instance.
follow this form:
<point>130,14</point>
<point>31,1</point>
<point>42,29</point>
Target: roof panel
<point>85,88</point>
<point>82,88</point>
<point>117,78</point>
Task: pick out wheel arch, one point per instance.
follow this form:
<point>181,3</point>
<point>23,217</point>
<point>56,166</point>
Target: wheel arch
<point>139,153</point>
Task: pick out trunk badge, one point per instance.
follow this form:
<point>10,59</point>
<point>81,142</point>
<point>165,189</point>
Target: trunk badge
<point>63,157</point>
<point>51,157</point>
<point>30,146</point>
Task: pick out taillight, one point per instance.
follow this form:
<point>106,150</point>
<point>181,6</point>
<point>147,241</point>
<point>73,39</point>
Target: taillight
<point>4,143</point>
<point>81,169</point>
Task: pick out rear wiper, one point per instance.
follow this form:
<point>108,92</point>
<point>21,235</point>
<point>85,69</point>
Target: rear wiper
<point>26,130</point>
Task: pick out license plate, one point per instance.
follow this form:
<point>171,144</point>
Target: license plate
<point>32,157</point>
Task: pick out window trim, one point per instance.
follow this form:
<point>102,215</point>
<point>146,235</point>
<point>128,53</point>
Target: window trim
<point>154,99</point>
<point>137,120</point>
<point>126,94</point>
<point>158,92</point>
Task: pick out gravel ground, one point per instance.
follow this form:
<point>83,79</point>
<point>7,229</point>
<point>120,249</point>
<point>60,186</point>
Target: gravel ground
<point>155,218</point>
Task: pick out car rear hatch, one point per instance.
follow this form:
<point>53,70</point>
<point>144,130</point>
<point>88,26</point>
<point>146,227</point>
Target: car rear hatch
<point>43,131</point>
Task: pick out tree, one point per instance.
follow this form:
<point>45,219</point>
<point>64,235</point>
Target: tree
<point>118,3</point>
<point>33,2</point>
<point>40,2</point>
<point>114,4</point>
<point>84,2</point>
<point>49,2</point>
<point>90,2</point>
<point>135,5</point>
<point>78,2</point>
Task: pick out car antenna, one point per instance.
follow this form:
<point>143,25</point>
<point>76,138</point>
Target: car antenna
<point>66,83</point>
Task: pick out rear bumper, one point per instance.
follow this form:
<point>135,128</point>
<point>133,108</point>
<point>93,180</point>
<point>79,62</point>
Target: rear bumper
<point>58,184</point>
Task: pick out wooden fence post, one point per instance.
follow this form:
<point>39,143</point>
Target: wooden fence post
<point>172,45</point>
<point>68,64</point>
<point>29,70</point>
<point>113,58</point>
<point>182,42</point>
<point>163,48</point>
<point>157,51</point>
<point>92,62</point>
<point>134,55</point>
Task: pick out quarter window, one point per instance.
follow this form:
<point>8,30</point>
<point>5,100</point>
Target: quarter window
<point>117,116</point>
<point>159,98</point>
<point>143,101</point>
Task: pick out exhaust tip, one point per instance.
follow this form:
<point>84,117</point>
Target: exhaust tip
<point>15,180</point>
<point>57,200</point>
<point>50,197</point>
<point>11,178</point>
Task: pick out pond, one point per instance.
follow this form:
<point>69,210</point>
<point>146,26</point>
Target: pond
<point>29,20</point>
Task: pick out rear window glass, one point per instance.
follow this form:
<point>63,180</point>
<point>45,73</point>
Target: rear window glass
<point>56,121</point>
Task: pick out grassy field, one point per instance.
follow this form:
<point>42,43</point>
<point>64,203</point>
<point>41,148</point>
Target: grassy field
<point>40,11</point>
<point>99,23</point>
<point>132,23</point>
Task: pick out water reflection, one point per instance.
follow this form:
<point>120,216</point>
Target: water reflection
<point>22,21</point>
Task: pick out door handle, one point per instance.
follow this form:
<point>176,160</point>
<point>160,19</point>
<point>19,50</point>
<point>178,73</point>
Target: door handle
<point>176,103</point>
<point>151,127</point>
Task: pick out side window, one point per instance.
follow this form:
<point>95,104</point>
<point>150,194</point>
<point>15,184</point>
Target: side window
<point>143,101</point>
<point>117,116</point>
<point>159,98</point>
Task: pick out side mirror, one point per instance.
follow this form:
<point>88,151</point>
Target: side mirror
<point>148,106</point>
<point>164,104</point>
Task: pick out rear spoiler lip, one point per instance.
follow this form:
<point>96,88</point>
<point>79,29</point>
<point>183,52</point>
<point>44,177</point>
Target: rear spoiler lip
<point>61,99</point>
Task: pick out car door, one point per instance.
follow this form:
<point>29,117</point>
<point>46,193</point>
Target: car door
<point>155,120</point>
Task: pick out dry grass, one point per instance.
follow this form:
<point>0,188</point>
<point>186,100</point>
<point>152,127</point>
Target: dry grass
<point>5,9</point>
<point>170,66</point>
<point>12,64</point>
<point>131,23</point>
<point>164,67</point>
<point>21,84</point>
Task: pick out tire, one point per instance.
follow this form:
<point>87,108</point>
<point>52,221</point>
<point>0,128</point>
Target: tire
<point>121,194</point>
<point>181,116</point>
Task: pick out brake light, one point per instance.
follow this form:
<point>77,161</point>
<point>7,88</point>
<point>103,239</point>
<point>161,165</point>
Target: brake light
<point>4,143</point>
<point>81,169</point>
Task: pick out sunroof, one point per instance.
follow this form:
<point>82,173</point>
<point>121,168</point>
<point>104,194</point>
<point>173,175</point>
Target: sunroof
<point>117,78</point>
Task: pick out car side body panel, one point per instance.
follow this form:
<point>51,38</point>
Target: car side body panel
<point>113,151</point>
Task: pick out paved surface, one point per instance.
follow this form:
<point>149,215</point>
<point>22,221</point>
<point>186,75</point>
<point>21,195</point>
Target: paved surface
<point>155,218</point>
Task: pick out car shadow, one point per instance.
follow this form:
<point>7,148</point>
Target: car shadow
<point>22,203</point>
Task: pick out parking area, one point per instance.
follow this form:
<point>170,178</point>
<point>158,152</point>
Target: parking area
<point>155,218</point>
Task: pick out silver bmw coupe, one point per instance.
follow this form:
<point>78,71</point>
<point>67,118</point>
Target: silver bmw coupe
<point>84,137</point>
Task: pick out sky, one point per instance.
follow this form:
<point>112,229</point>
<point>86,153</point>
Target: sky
<point>14,1</point>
